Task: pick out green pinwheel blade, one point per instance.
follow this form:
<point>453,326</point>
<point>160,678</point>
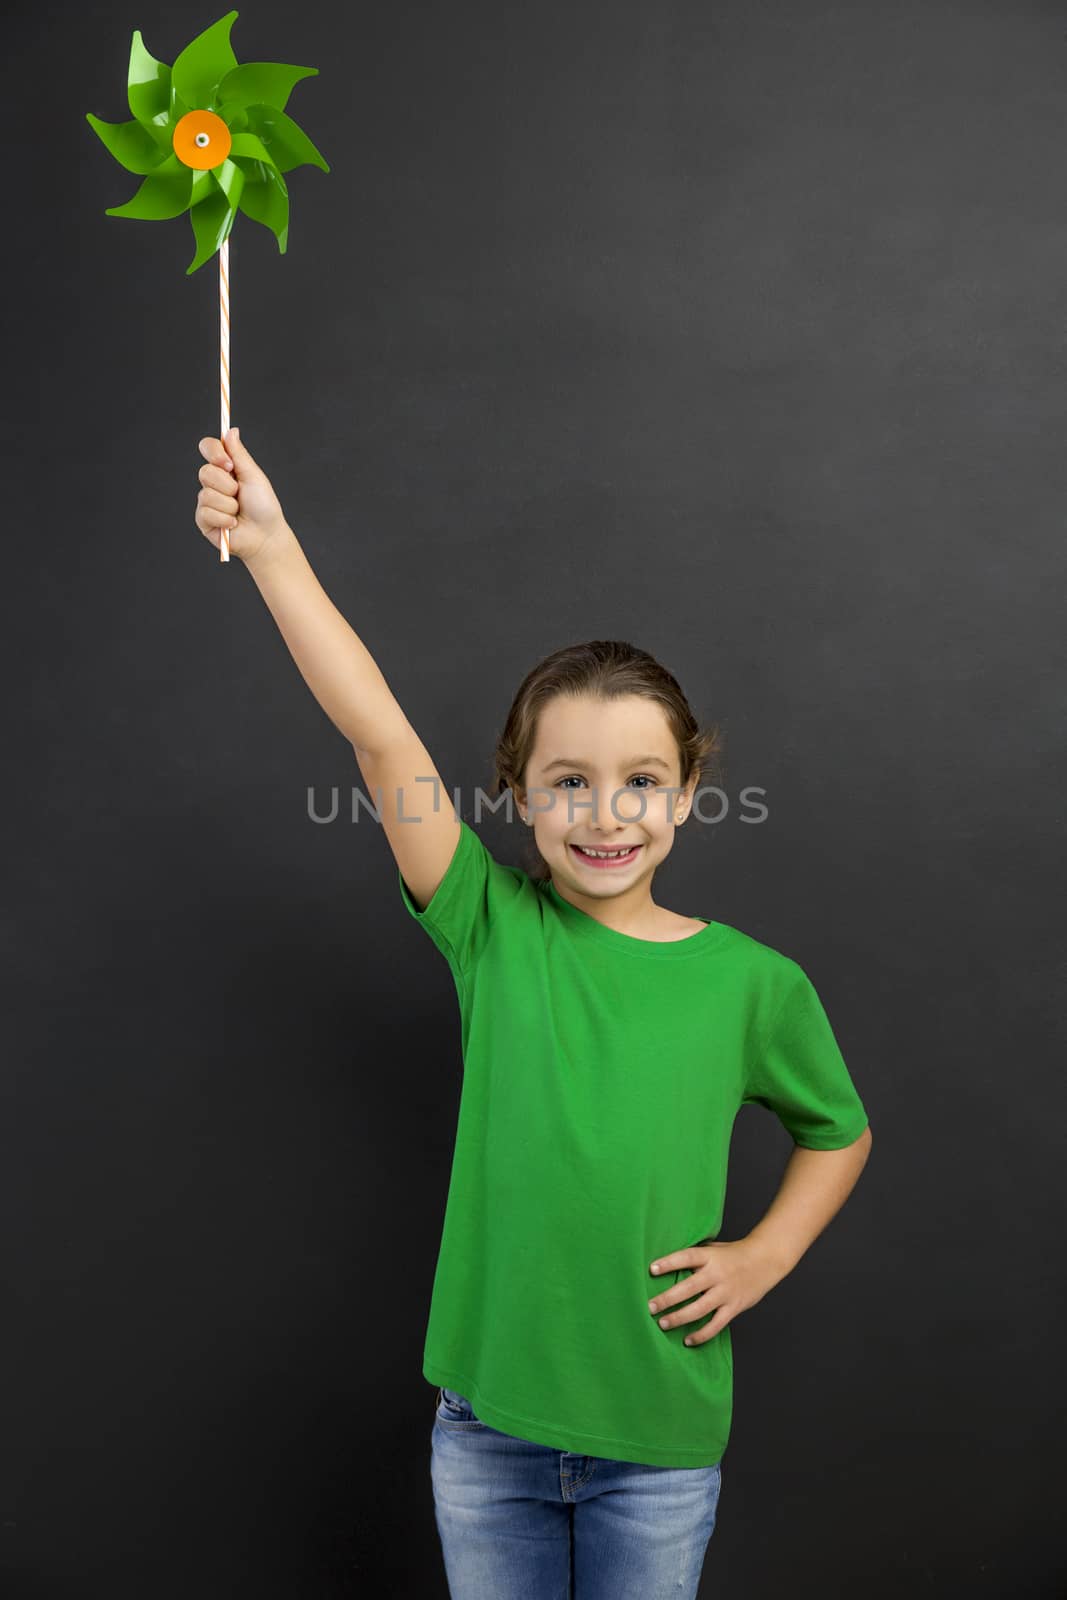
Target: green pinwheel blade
<point>212,220</point>
<point>205,61</point>
<point>148,90</point>
<point>288,144</point>
<point>213,211</point>
<point>256,83</point>
<point>231,179</point>
<point>130,143</point>
<point>251,147</point>
<point>268,202</point>
<point>166,192</point>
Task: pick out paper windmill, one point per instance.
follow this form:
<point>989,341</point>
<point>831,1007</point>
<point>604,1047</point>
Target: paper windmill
<point>211,137</point>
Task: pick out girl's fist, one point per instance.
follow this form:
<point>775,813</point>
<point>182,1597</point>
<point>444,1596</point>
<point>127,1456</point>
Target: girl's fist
<point>236,495</point>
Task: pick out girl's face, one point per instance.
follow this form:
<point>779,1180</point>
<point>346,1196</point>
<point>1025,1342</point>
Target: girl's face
<point>604,773</point>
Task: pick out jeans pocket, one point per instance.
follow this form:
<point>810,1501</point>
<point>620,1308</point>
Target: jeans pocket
<point>455,1410</point>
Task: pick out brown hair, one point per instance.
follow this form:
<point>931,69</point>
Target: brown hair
<point>605,669</point>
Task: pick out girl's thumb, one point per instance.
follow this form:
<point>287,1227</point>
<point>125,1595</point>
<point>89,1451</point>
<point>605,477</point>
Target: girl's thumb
<point>241,456</point>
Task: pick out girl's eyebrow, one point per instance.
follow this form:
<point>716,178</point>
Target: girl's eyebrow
<point>634,761</point>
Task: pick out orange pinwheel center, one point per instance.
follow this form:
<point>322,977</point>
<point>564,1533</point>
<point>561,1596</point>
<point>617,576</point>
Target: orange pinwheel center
<point>202,140</point>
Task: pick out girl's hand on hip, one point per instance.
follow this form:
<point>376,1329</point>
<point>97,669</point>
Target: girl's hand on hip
<point>725,1278</point>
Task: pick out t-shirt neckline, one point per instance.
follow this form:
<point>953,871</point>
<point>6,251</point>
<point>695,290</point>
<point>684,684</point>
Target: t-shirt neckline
<point>659,949</point>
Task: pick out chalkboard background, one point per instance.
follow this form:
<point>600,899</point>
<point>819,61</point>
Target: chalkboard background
<point>760,308</point>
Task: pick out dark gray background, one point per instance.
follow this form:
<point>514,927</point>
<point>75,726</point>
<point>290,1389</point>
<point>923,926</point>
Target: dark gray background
<point>761,308</point>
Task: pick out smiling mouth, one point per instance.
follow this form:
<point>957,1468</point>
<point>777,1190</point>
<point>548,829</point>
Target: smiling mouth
<point>621,859</point>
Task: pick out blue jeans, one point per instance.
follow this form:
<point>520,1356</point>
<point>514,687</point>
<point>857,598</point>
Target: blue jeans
<point>522,1521</point>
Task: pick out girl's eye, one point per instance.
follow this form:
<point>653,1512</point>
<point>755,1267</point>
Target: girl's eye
<point>644,775</point>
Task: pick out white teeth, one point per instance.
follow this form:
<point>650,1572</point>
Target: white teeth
<point>610,855</point>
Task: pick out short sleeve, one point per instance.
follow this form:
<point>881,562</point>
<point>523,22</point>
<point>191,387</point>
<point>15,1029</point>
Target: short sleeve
<point>799,1074</point>
<point>460,915</point>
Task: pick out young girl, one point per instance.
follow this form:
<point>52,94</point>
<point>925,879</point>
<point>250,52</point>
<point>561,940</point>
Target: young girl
<point>579,1326</point>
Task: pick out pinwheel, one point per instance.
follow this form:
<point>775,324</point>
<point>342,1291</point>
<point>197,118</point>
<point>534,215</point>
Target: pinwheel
<point>210,136</point>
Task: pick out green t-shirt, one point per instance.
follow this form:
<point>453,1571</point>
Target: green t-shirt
<point>601,1078</point>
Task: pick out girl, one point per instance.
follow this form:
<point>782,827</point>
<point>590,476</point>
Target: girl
<point>579,1326</point>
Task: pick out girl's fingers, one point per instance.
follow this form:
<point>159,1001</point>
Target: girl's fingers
<point>214,450</point>
<point>207,519</point>
<point>215,478</point>
<point>219,502</point>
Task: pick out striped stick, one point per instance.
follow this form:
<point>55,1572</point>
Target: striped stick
<point>224,365</point>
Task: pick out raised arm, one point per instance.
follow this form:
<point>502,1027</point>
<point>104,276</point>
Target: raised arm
<point>336,666</point>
